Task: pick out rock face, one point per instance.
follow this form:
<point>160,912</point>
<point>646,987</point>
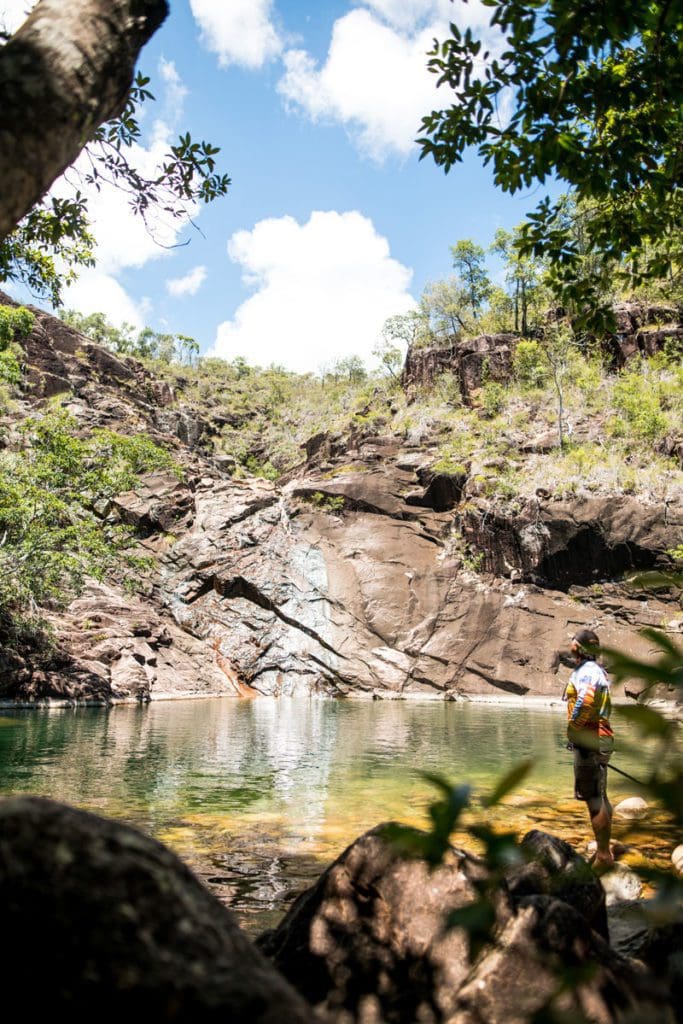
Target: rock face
<point>467,358</point>
<point>370,570</point>
<point>344,584</point>
<point>643,329</point>
<point>113,920</point>
<point>114,647</point>
<point>560,543</point>
<point>367,942</point>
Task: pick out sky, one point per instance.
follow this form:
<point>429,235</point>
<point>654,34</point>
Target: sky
<point>331,223</point>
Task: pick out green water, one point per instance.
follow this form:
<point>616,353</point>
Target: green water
<point>259,795</point>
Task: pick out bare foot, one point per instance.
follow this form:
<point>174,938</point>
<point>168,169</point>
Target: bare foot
<point>602,862</point>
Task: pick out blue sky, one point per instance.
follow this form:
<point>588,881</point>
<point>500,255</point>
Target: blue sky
<point>331,223</point>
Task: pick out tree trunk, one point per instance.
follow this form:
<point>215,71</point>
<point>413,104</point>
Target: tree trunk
<point>66,71</point>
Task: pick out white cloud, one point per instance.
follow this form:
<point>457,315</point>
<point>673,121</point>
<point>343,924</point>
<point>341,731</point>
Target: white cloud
<point>187,285</point>
<point>95,292</point>
<point>123,238</point>
<point>375,79</point>
<point>239,31</point>
<point>408,14</point>
<point>324,290</point>
<point>175,90</point>
<point>13,13</point>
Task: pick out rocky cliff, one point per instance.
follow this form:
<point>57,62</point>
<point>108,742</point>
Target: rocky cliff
<point>366,571</point>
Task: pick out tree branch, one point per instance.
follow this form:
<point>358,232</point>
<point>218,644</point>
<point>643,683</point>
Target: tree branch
<point>67,70</point>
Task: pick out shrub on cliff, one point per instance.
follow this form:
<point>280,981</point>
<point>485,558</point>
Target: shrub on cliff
<point>54,494</point>
<point>14,324</point>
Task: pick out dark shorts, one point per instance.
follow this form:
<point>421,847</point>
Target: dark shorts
<point>590,775</point>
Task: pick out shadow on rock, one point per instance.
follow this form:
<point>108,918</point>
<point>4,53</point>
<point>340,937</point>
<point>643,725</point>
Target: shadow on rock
<point>367,943</point>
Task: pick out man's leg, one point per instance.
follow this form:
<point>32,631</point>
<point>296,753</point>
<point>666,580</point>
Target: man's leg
<point>600,811</point>
<point>590,774</point>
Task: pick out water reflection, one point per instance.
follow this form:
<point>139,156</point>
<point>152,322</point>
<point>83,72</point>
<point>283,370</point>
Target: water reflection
<point>256,795</point>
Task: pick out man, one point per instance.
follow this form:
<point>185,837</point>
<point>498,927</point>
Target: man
<point>590,736</point>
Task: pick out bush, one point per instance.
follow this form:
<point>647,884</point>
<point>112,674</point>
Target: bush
<point>492,398</point>
<point>15,322</point>
<point>639,398</point>
<point>530,365</point>
<point>52,493</point>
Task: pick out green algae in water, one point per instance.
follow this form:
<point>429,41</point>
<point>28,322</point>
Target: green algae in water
<point>259,795</point>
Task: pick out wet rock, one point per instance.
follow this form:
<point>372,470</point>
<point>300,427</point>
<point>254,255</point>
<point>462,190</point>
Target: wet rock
<point>366,943</point>
<point>113,920</point>
<point>632,807</point>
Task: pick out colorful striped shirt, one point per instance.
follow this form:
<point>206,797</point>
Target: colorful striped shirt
<point>588,701</point>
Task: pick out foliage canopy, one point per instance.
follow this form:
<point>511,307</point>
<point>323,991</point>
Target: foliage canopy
<point>596,99</point>
<point>54,240</point>
<point>54,495</point>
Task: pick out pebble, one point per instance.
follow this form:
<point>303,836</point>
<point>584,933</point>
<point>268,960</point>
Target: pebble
<point>632,807</point>
<point>677,859</point>
<point>621,883</point>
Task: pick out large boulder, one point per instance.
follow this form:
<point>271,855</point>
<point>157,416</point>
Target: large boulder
<point>367,942</point>
<point>546,959</point>
<point>102,921</point>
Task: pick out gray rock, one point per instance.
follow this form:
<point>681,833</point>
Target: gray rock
<point>366,943</point>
